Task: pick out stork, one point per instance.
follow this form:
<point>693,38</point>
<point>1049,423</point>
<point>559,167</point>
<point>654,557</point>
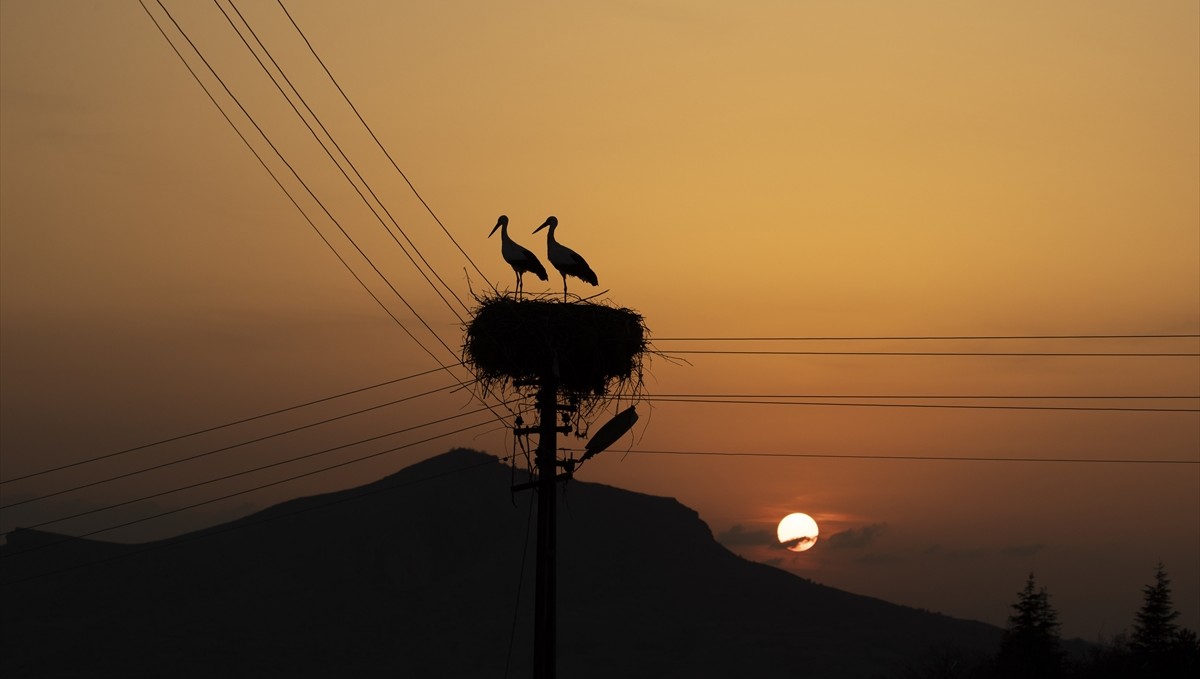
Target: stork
<point>567,261</point>
<point>520,259</point>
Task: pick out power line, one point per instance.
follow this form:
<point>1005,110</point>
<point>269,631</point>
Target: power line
<point>223,449</point>
<point>345,157</point>
<point>271,172</point>
<point>247,490</point>
<point>357,173</point>
<point>256,469</point>
<point>906,458</point>
<point>924,337</point>
<point>381,146</point>
<point>238,525</point>
<point>1030,397</point>
<point>296,175</point>
<point>962,406</point>
<point>1109,354</point>
<point>219,427</point>
<point>311,194</point>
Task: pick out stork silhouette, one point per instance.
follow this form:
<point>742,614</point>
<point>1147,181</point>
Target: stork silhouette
<point>520,259</point>
<point>567,261</point>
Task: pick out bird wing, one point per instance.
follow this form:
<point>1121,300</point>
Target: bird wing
<point>582,270</point>
<point>534,265</point>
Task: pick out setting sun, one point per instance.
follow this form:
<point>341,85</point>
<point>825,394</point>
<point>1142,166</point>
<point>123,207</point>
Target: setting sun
<point>798,532</point>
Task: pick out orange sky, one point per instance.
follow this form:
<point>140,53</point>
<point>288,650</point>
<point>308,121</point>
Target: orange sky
<point>729,169</point>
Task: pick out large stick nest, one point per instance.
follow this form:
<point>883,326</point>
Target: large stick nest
<point>591,347</point>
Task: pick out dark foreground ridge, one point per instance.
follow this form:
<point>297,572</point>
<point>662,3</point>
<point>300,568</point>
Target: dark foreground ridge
<point>417,575</point>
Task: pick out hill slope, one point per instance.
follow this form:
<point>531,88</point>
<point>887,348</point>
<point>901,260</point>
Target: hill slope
<point>417,575</point>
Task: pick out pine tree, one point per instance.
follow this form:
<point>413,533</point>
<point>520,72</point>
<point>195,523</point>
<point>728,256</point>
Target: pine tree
<point>1160,647</point>
<point>1155,630</point>
<point>1031,646</point>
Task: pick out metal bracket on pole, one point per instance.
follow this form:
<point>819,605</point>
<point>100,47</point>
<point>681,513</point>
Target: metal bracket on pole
<point>525,431</point>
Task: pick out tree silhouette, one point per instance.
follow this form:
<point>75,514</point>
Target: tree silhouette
<point>1031,646</point>
<point>1159,647</point>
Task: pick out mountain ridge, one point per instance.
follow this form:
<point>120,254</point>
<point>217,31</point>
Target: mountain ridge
<point>419,572</point>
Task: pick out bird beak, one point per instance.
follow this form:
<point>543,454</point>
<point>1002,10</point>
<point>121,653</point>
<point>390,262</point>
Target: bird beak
<point>497,226</point>
<point>544,225</point>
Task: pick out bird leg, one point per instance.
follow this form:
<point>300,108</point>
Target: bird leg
<point>564,287</point>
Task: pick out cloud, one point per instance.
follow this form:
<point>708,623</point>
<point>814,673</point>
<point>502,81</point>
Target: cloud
<point>799,544</point>
<point>857,538</point>
<point>740,536</point>
<point>1023,550</point>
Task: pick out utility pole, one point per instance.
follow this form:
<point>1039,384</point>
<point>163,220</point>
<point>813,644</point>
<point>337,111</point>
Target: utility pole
<point>526,341</point>
<point>547,429</point>
<point>547,531</point>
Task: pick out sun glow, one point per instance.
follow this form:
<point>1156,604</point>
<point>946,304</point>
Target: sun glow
<point>798,532</point>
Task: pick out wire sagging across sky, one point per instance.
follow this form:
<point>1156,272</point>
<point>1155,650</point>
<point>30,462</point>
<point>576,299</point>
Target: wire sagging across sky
<point>340,159</point>
<point>218,427</point>
<point>244,524</point>
<point>252,489</point>
<point>798,401</point>
<point>1050,354</point>
<point>196,456</point>
<point>889,338</point>
<point>297,177</point>
<point>915,458</point>
<point>739,342</point>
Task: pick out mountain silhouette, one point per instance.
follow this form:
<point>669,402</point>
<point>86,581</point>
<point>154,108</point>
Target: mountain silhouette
<point>418,575</point>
